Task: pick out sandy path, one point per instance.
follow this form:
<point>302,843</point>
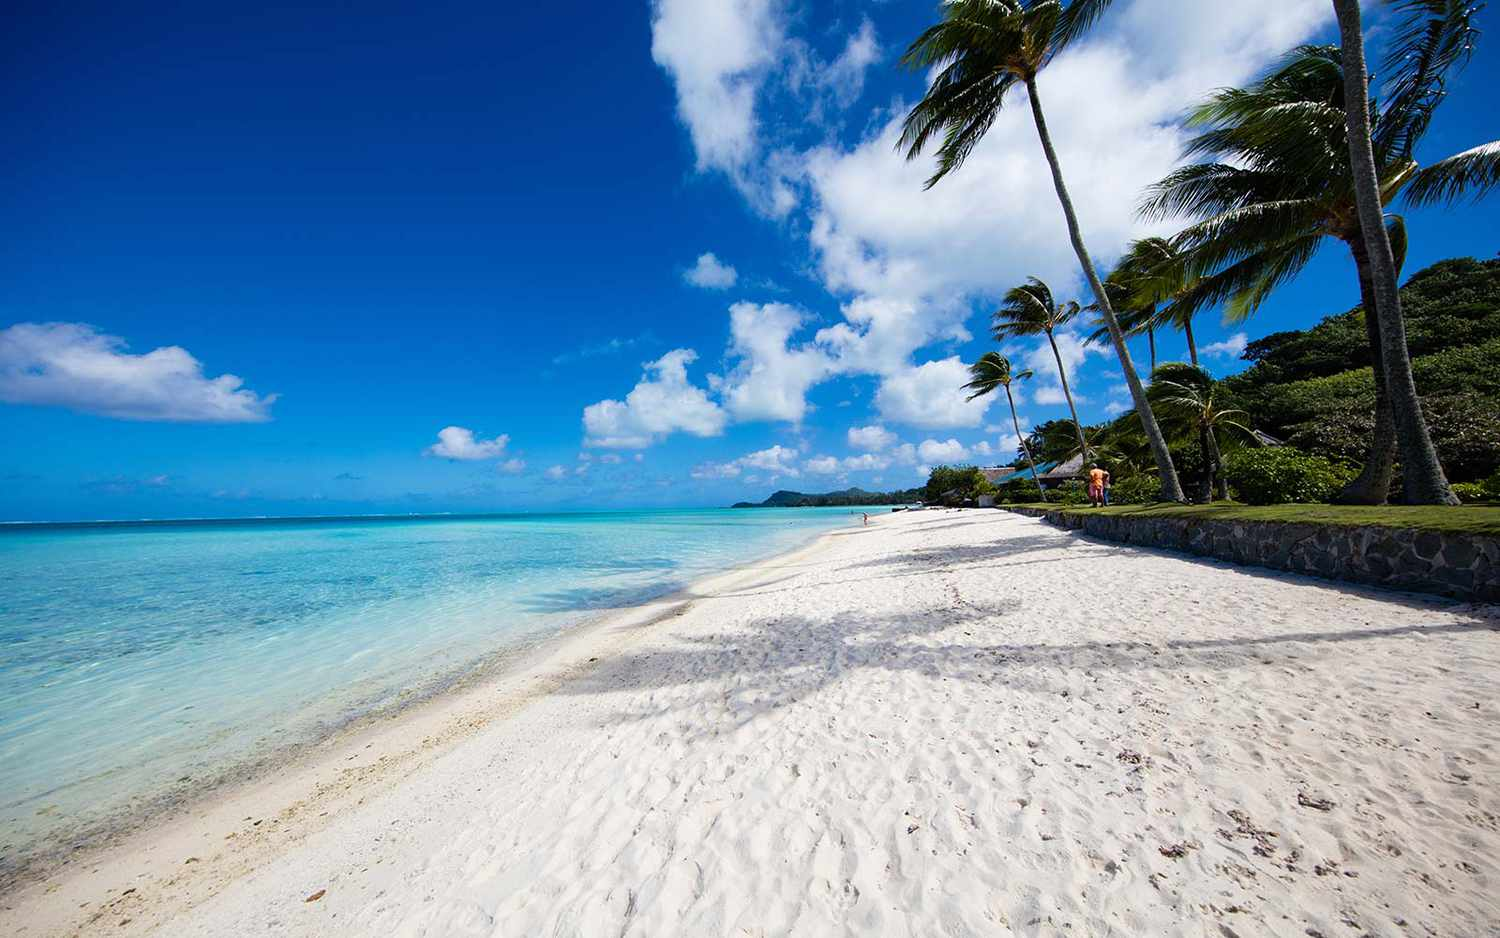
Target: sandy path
<point>955,723</point>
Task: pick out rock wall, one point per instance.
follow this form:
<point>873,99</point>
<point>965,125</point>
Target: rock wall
<point>1465,566</point>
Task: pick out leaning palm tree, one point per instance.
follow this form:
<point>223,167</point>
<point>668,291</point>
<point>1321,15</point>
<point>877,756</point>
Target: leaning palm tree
<point>1185,394</point>
<point>993,371</point>
<point>1135,318</point>
<point>984,48</point>
<point>1282,184</point>
<point>1158,275</point>
<point>1030,310</point>
<point>1149,277</point>
<point>1424,480</point>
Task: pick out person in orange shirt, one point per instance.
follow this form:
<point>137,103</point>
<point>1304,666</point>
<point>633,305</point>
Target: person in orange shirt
<point>1098,483</point>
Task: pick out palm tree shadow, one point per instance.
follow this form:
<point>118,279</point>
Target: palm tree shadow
<point>733,678</point>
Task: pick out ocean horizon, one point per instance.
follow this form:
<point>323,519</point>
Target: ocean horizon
<point>144,662</point>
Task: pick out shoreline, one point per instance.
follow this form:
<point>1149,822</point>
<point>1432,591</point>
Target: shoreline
<point>292,792</point>
<point>968,723</point>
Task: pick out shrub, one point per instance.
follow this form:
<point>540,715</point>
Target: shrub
<point>1071,492</point>
<point>1273,475</point>
<point>1492,486</point>
<point>1140,489</point>
<point>1019,491</point>
<point>1470,492</point>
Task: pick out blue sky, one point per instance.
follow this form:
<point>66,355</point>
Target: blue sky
<point>258,260</point>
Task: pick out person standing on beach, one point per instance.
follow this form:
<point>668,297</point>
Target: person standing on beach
<point>867,518</point>
<point>1098,483</point>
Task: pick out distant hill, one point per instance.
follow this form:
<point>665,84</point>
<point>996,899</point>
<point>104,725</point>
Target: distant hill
<point>852,497</point>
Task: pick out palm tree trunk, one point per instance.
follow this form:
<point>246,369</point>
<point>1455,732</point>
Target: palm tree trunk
<point>1016,422</point>
<point>1373,484</point>
<point>1187,330</point>
<point>1218,486</point>
<point>1062,375</point>
<point>1171,488</point>
<point>1151,341</point>
<point>1422,475</point>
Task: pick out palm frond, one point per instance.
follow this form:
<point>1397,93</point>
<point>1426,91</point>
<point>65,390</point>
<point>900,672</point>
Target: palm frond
<point>1076,20</point>
<point>1471,173</point>
<point>1431,37</point>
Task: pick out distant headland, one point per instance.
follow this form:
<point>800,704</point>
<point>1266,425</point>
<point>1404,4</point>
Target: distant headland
<point>852,497</point>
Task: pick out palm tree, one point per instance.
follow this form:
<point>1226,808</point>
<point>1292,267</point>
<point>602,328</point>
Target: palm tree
<point>1151,272</point>
<point>1030,310</point>
<point>1135,318</point>
<point>1186,394</point>
<point>985,48</point>
<point>993,371</point>
<point>1425,483</point>
<point>1283,185</point>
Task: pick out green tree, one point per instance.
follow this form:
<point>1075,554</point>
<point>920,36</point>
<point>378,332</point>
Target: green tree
<point>950,484</point>
<point>993,371</point>
<point>1424,482</point>
<point>983,49</point>
<point>1283,183</point>
<point>1186,396</point>
<point>1135,317</point>
<point>1030,310</point>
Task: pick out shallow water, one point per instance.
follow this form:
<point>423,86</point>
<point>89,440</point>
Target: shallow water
<point>142,660</point>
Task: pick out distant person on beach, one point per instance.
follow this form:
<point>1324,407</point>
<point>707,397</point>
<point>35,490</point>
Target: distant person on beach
<point>866,515</point>
<point>1098,485</point>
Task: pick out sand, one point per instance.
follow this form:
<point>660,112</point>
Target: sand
<point>948,723</point>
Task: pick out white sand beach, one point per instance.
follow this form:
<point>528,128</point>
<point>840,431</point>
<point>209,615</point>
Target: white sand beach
<point>948,723</point>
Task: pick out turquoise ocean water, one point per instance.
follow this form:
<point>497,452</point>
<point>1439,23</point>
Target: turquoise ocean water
<point>142,663</point>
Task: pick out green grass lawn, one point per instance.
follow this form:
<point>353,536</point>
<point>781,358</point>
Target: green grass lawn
<point>1471,519</point>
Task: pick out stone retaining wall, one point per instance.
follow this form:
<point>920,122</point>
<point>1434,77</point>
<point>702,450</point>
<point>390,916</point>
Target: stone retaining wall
<point>1465,566</point>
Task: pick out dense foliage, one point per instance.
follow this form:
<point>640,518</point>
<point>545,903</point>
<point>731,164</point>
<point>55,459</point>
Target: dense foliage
<point>1018,492</point>
<point>1139,489</point>
<point>1272,475</point>
<point>851,497</point>
<point>954,485</point>
<point>1315,388</point>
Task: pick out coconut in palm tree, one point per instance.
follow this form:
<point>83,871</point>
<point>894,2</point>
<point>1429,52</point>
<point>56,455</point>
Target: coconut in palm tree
<point>983,49</point>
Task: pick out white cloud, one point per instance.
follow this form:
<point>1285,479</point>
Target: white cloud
<point>776,460</point>
<point>822,465</point>
<point>1231,347</point>
<point>611,459</point>
<point>770,378</point>
<point>663,402</point>
<point>906,454</point>
<point>513,466</point>
<point>719,53</point>
<point>1007,446</point>
<point>1119,402</point>
<point>934,451</point>
<point>930,396</point>
<point>908,263</point>
<point>982,448</point>
<point>877,233</point>
<point>865,462</point>
<point>710,273</point>
<point>73,365</point>
<point>460,443</point>
<point>1074,351</point>
<point>871,439</point>
<point>844,77</point>
<point>556,472</point>
<point>712,470</point>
